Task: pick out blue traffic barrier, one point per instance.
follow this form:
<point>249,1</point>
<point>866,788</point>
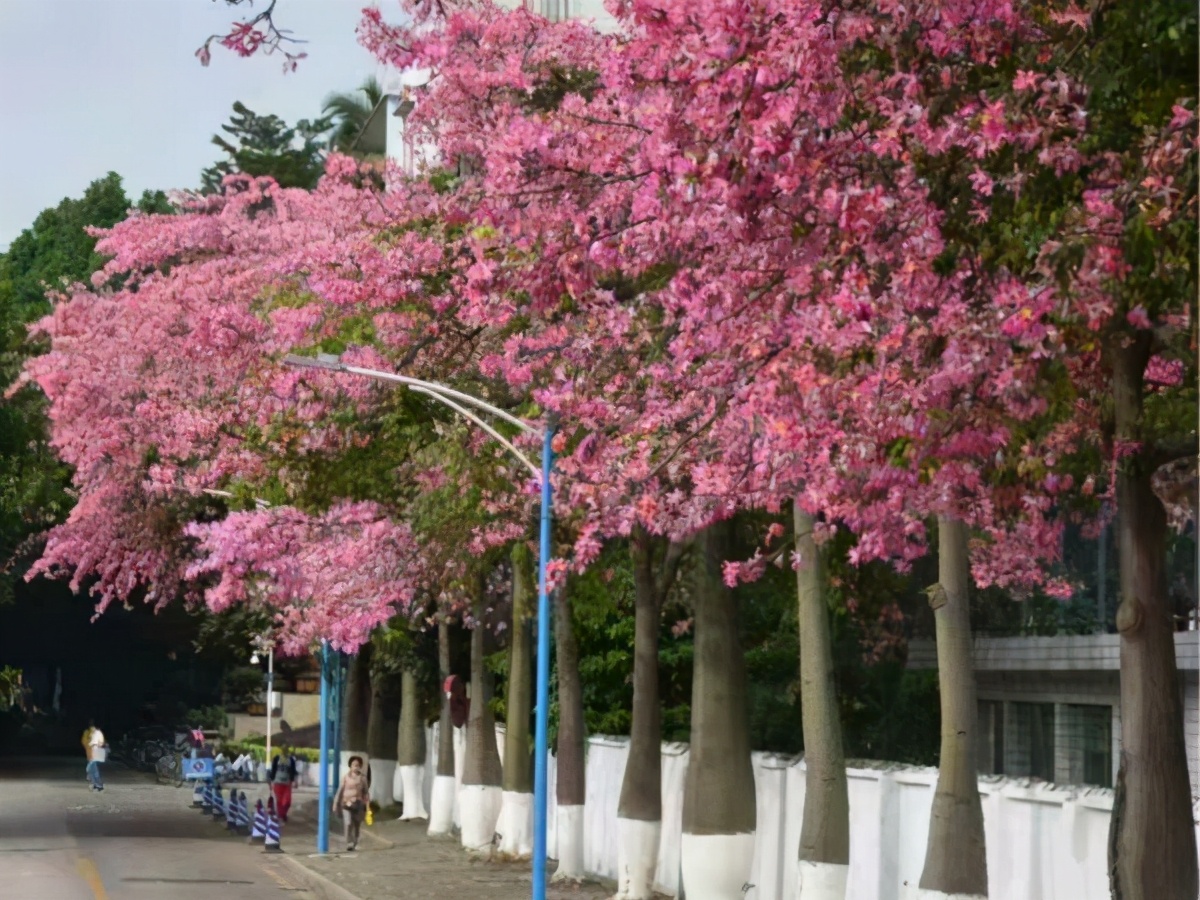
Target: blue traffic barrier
<point>274,839</point>
<point>243,814</point>
<point>218,806</point>
<point>258,829</point>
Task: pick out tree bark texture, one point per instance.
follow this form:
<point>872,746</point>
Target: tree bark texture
<point>383,720</point>
<point>518,744</point>
<point>356,709</point>
<point>641,787</point>
<point>955,857</point>
<point>482,763</point>
<point>825,828</point>
<point>570,786</point>
<point>718,797</point>
<point>410,742</point>
<point>445,764</point>
<point>1152,839</point>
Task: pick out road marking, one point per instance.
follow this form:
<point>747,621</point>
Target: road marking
<point>90,874</point>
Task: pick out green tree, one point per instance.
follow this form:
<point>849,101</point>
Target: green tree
<point>349,112</point>
<point>53,253</point>
<point>266,145</point>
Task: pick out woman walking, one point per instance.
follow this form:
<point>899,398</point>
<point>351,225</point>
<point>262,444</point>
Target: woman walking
<point>352,799</point>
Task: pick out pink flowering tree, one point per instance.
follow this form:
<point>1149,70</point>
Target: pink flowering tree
<point>798,296</point>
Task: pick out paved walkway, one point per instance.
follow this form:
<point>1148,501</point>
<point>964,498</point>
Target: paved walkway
<point>398,859</point>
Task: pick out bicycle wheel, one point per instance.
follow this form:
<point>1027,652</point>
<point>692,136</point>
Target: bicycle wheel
<point>166,768</point>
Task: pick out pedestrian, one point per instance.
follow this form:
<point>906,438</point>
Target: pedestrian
<point>352,799</point>
<point>86,740</point>
<point>97,753</point>
<point>283,776</point>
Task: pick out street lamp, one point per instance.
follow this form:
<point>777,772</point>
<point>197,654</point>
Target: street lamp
<point>263,643</point>
<point>455,400</point>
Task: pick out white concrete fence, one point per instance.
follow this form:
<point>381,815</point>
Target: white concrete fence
<point>1044,842</point>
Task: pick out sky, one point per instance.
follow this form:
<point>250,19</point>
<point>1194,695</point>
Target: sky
<point>92,86</point>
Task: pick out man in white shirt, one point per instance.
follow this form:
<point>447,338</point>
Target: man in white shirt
<point>97,753</point>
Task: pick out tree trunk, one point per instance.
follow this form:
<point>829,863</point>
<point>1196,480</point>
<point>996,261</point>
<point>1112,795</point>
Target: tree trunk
<point>825,828</point>
<point>570,787</point>
<point>482,774</point>
<point>639,812</point>
<point>1152,839</point>
<point>719,808</point>
<point>516,815</point>
<point>356,709</point>
<point>955,857</point>
<point>383,725</point>
<point>445,790</point>
<point>410,748</point>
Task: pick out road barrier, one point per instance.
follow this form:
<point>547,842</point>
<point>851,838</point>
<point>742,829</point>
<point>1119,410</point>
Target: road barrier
<point>206,800</point>
<point>198,795</point>
<point>218,806</point>
<point>258,830</point>
<point>274,838</point>
<point>231,809</point>
<point>243,814</point>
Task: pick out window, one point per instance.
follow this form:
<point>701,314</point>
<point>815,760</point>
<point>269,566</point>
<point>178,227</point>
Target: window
<point>990,750</point>
<point>1031,741</point>
<point>1089,744</point>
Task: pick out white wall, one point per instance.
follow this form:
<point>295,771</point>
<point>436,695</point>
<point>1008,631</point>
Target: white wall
<point>1044,842</point>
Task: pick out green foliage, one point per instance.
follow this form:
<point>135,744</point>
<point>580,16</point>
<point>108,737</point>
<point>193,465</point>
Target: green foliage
<point>602,600</point>
<point>242,685</point>
<point>227,636</point>
<point>267,146</point>
<point>53,253</point>
<point>210,718</point>
<point>255,746</point>
<point>10,688</point>
<point>349,113</point>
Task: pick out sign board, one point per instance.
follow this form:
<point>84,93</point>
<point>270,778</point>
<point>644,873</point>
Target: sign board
<point>200,768</point>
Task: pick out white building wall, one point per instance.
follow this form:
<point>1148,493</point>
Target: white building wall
<point>1044,842</point>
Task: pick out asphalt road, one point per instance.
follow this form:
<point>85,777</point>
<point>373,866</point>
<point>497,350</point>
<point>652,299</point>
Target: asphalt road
<point>59,840</point>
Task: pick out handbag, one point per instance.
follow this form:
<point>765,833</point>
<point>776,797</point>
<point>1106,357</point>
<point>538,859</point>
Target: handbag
<point>99,754</point>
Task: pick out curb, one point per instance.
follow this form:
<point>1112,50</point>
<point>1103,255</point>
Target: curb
<point>315,881</point>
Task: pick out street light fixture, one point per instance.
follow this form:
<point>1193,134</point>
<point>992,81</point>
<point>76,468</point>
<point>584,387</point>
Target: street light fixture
<point>455,400</point>
<point>262,643</point>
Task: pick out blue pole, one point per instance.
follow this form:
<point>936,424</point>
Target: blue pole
<point>335,718</point>
<point>542,721</point>
<point>323,773</point>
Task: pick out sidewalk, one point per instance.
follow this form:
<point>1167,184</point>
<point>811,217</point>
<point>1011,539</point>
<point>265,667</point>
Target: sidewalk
<point>396,859</point>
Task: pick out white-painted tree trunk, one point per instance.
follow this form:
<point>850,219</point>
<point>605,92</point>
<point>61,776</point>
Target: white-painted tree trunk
<point>441,805</point>
<point>637,858</point>
<point>570,844</point>
<point>479,809</point>
<point>383,777</point>
<point>516,825</point>
<point>716,866</point>
<point>410,790</point>
<point>822,881</point>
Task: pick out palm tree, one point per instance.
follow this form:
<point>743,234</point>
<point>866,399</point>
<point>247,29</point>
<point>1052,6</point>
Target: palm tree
<point>350,112</point>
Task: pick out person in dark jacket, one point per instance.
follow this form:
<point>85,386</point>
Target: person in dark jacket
<point>283,776</point>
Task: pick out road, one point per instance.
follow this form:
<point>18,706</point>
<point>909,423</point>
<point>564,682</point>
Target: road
<point>59,840</point>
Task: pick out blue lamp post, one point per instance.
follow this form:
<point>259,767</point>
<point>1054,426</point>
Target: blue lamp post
<point>455,400</point>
